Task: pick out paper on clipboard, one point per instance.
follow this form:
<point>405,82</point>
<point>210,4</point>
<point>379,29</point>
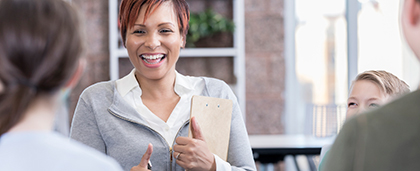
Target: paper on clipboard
<point>214,118</point>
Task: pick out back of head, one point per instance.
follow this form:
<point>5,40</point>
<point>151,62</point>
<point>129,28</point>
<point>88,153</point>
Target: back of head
<point>387,82</point>
<point>40,44</point>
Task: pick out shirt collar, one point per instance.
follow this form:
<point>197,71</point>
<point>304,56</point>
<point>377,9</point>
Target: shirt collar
<point>183,84</point>
<point>127,83</point>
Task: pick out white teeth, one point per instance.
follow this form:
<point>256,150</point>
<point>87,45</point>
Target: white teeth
<point>152,56</point>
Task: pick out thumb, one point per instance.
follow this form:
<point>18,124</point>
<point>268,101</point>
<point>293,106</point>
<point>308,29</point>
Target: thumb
<point>196,130</point>
<point>146,157</point>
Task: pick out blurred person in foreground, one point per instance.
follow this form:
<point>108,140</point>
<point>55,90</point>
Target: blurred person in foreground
<point>145,115</point>
<point>387,138</point>
<point>40,45</point>
<point>370,90</point>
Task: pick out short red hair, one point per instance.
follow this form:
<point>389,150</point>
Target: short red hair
<point>130,10</point>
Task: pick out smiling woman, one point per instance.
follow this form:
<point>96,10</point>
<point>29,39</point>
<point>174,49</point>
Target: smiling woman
<point>154,43</point>
<point>147,111</point>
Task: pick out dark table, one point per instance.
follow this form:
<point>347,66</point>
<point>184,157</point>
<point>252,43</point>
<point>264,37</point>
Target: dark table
<point>273,148</point>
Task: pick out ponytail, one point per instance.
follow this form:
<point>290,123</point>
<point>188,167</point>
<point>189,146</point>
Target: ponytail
<point>40,44</point>
<point>14,102</point>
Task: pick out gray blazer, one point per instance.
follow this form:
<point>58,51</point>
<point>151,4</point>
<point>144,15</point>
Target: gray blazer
<point>104,121</point>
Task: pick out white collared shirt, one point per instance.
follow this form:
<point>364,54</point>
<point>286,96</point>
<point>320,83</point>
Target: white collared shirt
<point>185,87</point>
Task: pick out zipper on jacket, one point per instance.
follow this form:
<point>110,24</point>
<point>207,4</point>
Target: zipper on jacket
<point>179,130</point>
<point>129,120</point>
<point>170,153</point>
<point>170,147</point>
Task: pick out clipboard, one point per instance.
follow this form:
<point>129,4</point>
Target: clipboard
<point>214,118</point>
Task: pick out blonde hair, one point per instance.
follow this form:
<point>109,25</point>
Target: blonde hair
<point>387,82</point>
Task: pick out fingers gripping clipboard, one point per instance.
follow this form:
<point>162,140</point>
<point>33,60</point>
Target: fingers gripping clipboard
<point>213,116</point>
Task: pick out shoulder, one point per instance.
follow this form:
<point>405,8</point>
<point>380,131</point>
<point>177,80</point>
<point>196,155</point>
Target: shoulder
<point>81,155</point>
<point>99,89</point>
<point>215,82</point>
<point>218,88</point>
<point>399,118</point>
<point>351,129</point>
<point>402,111</point>
<point>366,135</point>
<point>51,151</point>
<point>342,152</point>
<point>406,102</point>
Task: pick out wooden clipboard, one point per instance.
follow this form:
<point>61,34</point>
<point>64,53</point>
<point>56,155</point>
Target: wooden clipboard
<point>214,118</point>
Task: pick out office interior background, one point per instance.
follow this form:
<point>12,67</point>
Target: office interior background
<point>290,62</point>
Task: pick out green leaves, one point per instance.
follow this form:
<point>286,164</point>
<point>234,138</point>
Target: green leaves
<point>207,23</point>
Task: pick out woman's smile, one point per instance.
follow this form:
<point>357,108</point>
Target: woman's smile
<point>153,60</point>
<point>154,44</point>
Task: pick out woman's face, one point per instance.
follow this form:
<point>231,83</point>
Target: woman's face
<point>153,46</point>
<point>364,95</point>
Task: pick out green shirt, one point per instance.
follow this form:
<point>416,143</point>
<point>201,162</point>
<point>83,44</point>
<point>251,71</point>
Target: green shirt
<point>386,139</point>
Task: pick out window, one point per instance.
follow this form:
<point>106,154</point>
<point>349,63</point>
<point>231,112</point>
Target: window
<point>381,46</point>
<point>329,48</point>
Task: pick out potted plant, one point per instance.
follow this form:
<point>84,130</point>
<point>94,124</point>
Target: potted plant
<point>207,24</point>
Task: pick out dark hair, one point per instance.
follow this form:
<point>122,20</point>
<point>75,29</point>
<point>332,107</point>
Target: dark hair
<point>130,10</point>
<point>40,44</point>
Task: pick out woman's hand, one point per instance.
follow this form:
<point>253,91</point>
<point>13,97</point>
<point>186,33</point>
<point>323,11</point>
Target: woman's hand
<point>144,160</point>
<point>192,153</point>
